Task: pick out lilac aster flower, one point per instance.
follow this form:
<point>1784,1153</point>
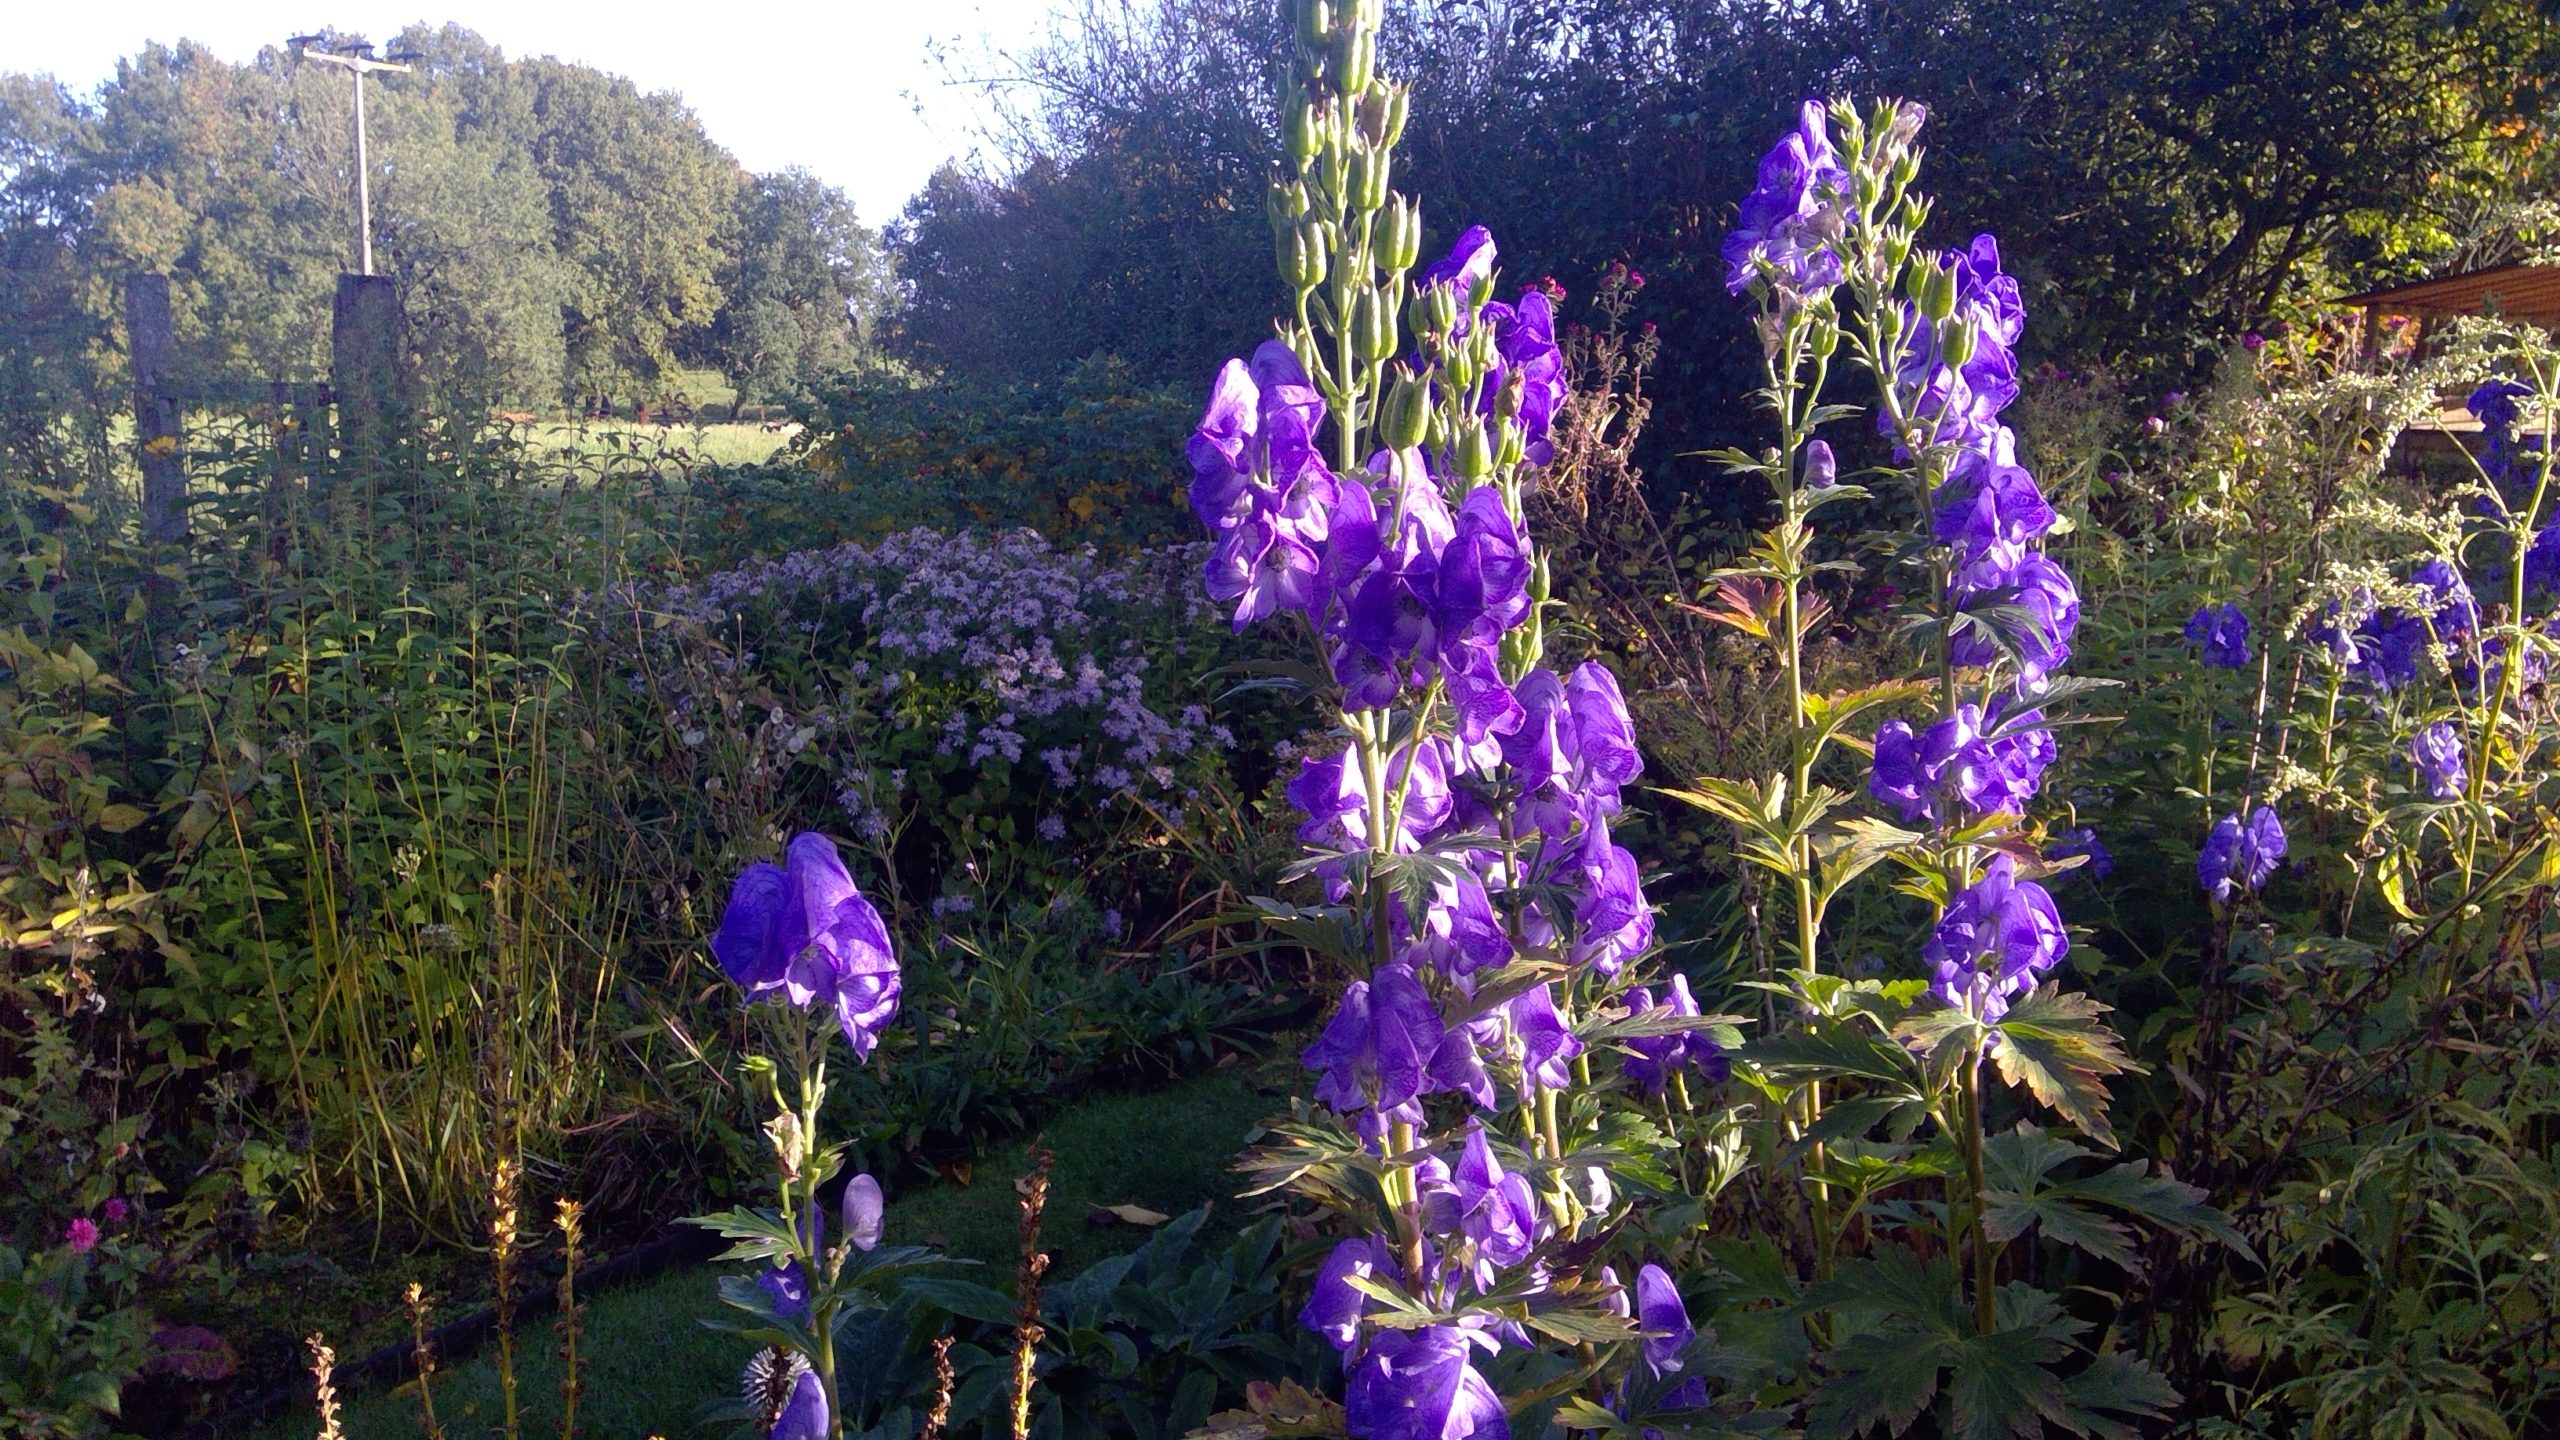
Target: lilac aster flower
<point>1374,1050</point>
<point>2437,751</point>
<point>1337,1307</point>
<point>2241,853</point>
<point>1667,1331</point>
<point>805,933</point>
<point>1422,1385</point>
<point>1997,938</point>
<point>1793,218</point>
<point>2223,631</point>
<point>804,1415</point>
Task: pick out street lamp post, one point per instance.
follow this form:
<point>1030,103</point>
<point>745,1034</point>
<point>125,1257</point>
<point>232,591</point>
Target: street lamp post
<point>357,66</point>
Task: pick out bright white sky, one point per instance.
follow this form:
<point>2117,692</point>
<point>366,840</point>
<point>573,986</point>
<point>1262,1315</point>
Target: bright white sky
<point>849,89</point>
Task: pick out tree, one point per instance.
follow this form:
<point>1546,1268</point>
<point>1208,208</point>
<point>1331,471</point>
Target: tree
<point>804,285</point>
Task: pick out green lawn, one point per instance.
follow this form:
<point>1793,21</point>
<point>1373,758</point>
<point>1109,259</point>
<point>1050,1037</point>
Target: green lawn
<point>648,1364</point>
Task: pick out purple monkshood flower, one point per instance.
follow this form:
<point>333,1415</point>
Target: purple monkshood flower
<point>1482,585</point>
<point>2223,631</point>
<point>1997,938</point>
<point>1961,763</point>
<point>1337,1306</point>
<point>2453,613</point>
<point>864,1211</point>
<point>1962,404</point>
<point>1374,1050</point>
<point>1524,341</point>
<point>1667,1331</point>
<point>1989,507</point>
<point>1467,269</point>
<point>2437,752</point>
<point>1422,1385</point>
<point>2050,604</point>
<point>2241,854</point>
<point>2493,404</point>
<point>804,1415</point>
<point>786,1286</point>
<point>1821,467</point>
<point>1612,922</point>
<point>1495,1210</point>
<point>1653,1058</point>
<point>805,933</point>
<point>1793,218</point>
<point>2542,562</point>
<point>2083,842</point>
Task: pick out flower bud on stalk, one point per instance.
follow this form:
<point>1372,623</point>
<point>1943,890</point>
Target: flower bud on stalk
<point>1405,421</point>
<point>1315,24</point>
<point>1305,133</point>
<point>1956,338</point>
<point>1369,171</point>
<point>1354,58</point>
<point>1435,310</point>
<point>1937,292</point>
<point>1373,325</point>
<point>1475,457</point>
<point>1399,236</point>
<point>1304,253</point>
<point>1822,335</point>
<point>1285,204</point>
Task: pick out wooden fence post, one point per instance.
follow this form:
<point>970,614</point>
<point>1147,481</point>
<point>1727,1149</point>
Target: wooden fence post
<point>156,432</point>
<point>366,367</point>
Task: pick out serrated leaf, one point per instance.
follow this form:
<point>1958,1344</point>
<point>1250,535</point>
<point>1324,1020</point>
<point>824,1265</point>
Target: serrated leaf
<point>2116,1385</point>
<point>2053,1043</point>
<point>1878,1378</point>
<point>1829,1052</point>
<point>2000,1387</point>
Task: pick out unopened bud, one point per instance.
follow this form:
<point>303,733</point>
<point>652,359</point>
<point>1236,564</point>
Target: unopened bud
<point>1956,341</point>
<point>1373,325</point>
<point>1474,459</point>
<point>1355,58</point>
<point>1506,399</point>
<point>1305,134</point>
<point>1399,238</point>
<point>1821,467</point>
<point>1315,23</point>
<point>1405,420</point>
<point>1937,290</point>
<point>1285,204</point>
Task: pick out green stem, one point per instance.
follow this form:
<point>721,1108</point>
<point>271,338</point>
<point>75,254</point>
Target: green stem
<point>1985,1259</point>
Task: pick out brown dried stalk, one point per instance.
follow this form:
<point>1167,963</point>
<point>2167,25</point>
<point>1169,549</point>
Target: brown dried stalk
<point>568,1216</point>
<point>502,1259</point>
<point>424,1355</point>
<point>324,1368</point>
<point>943,1379</point>
<point>1027,1330</point>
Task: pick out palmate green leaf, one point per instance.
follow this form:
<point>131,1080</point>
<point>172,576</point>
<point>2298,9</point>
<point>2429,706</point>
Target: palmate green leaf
<point>2001,1387</point>
<point>2017,1170</point>
<point>1877,1378</point>
<point>1831,1051</point>
<point>2098,1400</point>
<point>1852,1119</point>
<point>760,1234</point>
<point>2053,1043</point>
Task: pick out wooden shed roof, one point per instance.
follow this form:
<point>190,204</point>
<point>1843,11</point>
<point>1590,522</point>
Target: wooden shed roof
<point>2523,292</point>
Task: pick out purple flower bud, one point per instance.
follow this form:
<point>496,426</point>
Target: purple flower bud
<point>864,1212</point>
<point>1821,467</point>
<point>2083,842</point>
<point>1667,1331</point>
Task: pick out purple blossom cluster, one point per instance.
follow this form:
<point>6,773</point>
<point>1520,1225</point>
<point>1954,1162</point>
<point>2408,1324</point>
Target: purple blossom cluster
<point>1414,576</point>
<point>1789,230</point>
<point>1002,647</point>
<point>2241,854</point>
<point>2223,633</point>
<point>2436,751</point>
<point>2012,610</point>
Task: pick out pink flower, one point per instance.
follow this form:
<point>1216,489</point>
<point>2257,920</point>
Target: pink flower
<point>83,1235</point>
<point>117,1210</point>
